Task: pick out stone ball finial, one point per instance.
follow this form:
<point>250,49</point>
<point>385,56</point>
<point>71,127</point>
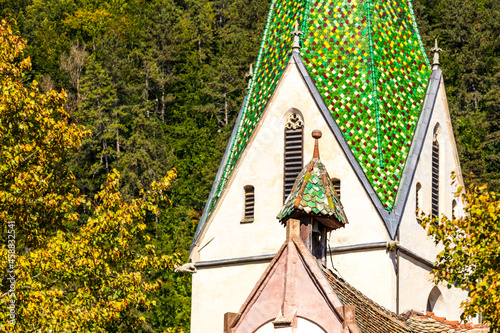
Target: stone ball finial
<point>317,134</point>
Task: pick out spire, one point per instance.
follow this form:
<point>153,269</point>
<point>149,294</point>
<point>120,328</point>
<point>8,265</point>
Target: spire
<point>351,72</point>
<point>313,194</point>
<point>436,50</point>
<point>296,37</point>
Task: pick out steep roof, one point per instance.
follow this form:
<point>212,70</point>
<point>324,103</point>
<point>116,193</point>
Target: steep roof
<point>313,193</point>
<point>370,316</point>
<point>368,65</point>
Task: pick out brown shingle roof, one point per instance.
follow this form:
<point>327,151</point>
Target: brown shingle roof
<point>374,318</point>
<point>370,317</point>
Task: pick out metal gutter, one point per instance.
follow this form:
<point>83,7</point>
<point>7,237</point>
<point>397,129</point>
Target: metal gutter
<point>380,246</point>
<point>358,247</point>
<point>416,257</point>
<point>332,251</point>
<point>234,261</point>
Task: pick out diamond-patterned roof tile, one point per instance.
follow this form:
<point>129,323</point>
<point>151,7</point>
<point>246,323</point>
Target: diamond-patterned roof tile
<point>313,193</point>
<point>367,61</point>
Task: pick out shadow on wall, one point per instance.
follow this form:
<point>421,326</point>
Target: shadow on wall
<point>435,303</point>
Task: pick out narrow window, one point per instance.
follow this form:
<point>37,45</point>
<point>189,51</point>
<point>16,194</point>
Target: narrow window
<point>249,204</point>
<point>417,198</point>
<point>294,130</point>
<point>336,186</point>
<point>435,179</point>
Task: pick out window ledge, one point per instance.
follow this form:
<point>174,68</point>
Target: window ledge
<point>246,221</point>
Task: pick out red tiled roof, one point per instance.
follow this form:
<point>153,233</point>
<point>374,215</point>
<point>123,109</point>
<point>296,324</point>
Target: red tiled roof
<point>374,318</point>
<point>428,322</point>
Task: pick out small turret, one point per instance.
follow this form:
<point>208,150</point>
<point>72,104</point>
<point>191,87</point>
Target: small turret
<point>313,207</point>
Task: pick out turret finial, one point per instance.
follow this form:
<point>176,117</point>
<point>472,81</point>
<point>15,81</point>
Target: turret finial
<point>296,37</point>
<point>316,134</point>
<point>436,50</point>
<point>249,75</point>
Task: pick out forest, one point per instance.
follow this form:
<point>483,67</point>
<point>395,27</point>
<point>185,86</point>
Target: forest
<point>157,85</point>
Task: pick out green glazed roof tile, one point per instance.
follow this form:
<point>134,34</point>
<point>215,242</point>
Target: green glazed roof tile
<point>320,198</point>
<point>367,61</point>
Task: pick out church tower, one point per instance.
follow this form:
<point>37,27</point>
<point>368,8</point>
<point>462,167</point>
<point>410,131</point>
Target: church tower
<point>357,71</point>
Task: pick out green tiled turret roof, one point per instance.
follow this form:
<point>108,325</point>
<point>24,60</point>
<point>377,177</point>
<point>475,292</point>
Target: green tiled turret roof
<point>313,193</point>
<point>368,63</point>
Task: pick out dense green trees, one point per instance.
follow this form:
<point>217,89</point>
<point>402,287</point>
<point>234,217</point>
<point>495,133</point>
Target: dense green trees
<point>61,272</point>
<point>159,84</point>
<point>469,34</point>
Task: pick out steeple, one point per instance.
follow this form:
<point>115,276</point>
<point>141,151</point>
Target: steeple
<point>313,194</point>
<point>313,207</point>
<point>369,71</point>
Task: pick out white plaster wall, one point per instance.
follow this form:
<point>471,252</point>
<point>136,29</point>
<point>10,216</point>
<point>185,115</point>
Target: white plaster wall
<point>261,165</point>
<point>371,272</point>
<point>412,233</point>
<point>416,285</point>
<point>415,279</point>
<point>220,290</point>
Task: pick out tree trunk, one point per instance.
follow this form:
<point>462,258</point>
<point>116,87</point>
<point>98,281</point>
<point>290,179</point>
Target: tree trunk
<point>225,109</point>
<point>163,97</point>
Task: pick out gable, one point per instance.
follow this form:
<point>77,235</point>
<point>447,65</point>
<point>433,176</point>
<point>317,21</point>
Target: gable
<point>292,286</point>
<point>262,166</point>
<point>367,66</point>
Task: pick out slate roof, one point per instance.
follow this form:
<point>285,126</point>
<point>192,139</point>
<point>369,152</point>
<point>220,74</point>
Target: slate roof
<point>313,193</point>
<point>374,318</point>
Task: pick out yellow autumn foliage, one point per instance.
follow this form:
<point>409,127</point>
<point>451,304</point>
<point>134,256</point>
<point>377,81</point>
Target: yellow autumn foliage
<point>63,274</point>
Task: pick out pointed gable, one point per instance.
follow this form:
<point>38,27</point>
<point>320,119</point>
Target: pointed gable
<point>292,286</point>
<point>367,63</point>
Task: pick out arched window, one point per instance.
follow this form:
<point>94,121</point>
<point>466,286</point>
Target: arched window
<point>435,302</point>
<point>294,132</point>
<point>249,204</point>
<point>336,186</point>
<point>418,192</point>
<point>435,174</point>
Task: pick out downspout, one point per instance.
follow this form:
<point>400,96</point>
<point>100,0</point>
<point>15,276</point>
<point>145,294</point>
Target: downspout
<point>393,246</point>
<point>397,274</point>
